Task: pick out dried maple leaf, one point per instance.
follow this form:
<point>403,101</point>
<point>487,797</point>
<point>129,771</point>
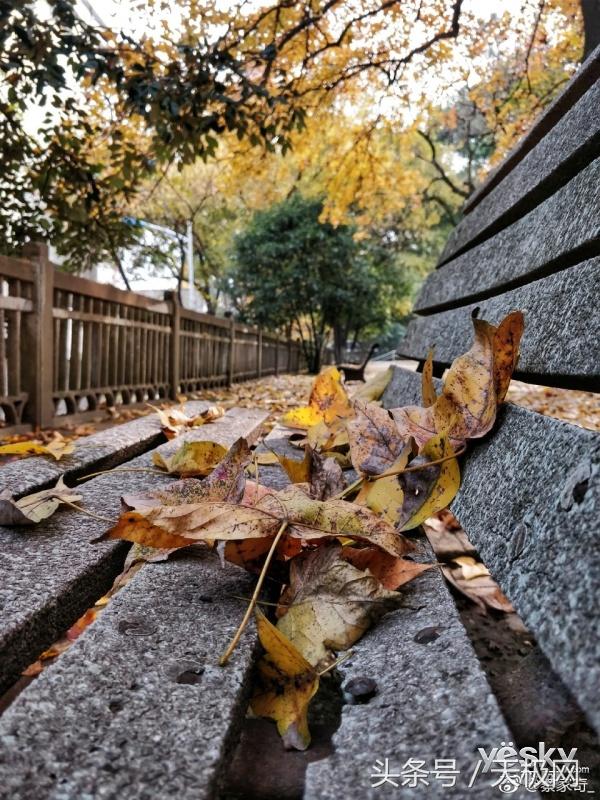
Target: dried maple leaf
<point>192,459</point>
<point>326,478</point>
<point>327,402</point>
<point>35,507</point>
<point>375,442</point>
<point>286,683</point>
<point>329,603</point>
<point>307,519</point>
<point>473,386</point>
<point>391,572</point>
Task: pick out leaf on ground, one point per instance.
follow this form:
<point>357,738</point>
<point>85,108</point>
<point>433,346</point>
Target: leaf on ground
<point>375,442</point>
<point>57,447</point>
<point>191,459</point>
<point>328,401</point>
<point>266,459</point>
<point>330,603</point>
<point>285,686</point>
<point>297,471</point>
<point>427,388</point>
<point>226,482</point>
<point>471,568</point>
<point>35,507</point>
<point>391,572</point>
<point>432,488</point>
<point>308,519</point>
<point>373,389</point>
<point>174,420</point>
<point>250,553</point>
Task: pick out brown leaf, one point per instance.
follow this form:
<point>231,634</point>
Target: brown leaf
<point>391,572</point>
<point>427,387</point>
<point>375,442</point>
<point>192,459</point>
<point>35,507</point>
<point>506,351</point>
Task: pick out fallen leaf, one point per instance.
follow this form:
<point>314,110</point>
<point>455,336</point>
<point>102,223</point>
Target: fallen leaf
<point>57,448</point>
<point>483,590</point>
<point>192,458</point>
<point>326,478</point>
<point>506,351</point>
<point>391,572</point>
<point>35,507</point>
<point>174,420</point>
<point>297,471</point>
<point>327,402</point>
<point>266,458</point>
<point>329,603</point>
<point>471,568</point>
<point>431,488</point>
<point>307,519</point>
<point>286,684</point>
<point>373,389</point>
<point>375,442</point>
<point>468,403</point>
<point>226,482</point>
<point>427,387</point>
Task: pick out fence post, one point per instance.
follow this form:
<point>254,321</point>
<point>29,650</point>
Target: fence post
<point>231,360</point>
<point>175,354</point>
<point>276,354</point>
<point>289,354</point>
<point>38,367</point>
<point>259,353</point>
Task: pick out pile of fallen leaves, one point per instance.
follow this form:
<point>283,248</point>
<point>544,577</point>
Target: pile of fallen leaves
<point>338,552</point>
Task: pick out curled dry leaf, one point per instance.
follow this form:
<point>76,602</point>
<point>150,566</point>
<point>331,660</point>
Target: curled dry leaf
<point>35,507</point>
<point>329,603</point>
<point>192,459</point>
<point>391,572</point>
<point>375,442</point>
<point>174,420</point>
<point>285,686</point>
<point>472,388</point>
<point>427,388</point>
<point>481,590</point>
<point>326,478</point>
<point>328,401</point>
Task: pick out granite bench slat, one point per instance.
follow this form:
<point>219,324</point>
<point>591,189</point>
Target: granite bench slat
<point>102,450</point>
<point>568,147</point>
<point>560,344</point>
<point>561,231</point>
<point>433,702</point>
<point>51,574</point>
<point>528,501</point>
<point>586,75</point>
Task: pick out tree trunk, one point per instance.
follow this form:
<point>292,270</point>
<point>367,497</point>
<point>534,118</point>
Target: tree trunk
<point>591,25</point>
<point>339,343</point>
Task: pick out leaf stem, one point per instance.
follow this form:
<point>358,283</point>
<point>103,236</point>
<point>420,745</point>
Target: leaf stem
<point>349,489</point>
<point>122,469</point>
<point>85,511</point>
<point>254,599</point>
<point>335,663</point>
<point>427,464</point>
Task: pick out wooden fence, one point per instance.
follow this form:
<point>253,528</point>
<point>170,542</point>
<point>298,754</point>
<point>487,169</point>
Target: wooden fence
<point>70,346</point>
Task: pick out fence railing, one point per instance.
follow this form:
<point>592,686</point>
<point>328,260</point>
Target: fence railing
<point>70,346</point>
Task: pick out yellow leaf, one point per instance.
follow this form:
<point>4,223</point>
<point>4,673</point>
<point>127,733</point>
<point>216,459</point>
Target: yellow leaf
<point>297,471</point>
<point>328,401</point>
<point>192,459</point>
<point>471,568</point>
<point>57,448</point>
<point>285,686</point>
<point>506,351</point>
<point>372,390</point>
<point>431,489</point>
